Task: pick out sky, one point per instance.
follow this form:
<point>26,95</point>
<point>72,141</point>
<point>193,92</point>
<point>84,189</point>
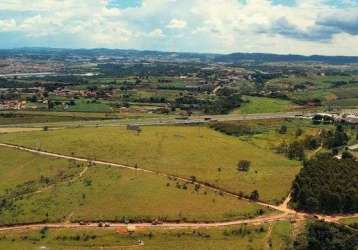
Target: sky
<point>326,27</point>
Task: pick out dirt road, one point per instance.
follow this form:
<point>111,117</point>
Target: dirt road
<point>254,221</point>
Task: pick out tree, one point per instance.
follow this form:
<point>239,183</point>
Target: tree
<point>322,235</point>
<point>295,150</point>
<point>32,98</point>
<point>283,129</point>
<point>311,142</point>
<point>347,155</point>
<point>254,195</point>
<point>299,132</point>
<point>244,165</point>
<point>50,105</point>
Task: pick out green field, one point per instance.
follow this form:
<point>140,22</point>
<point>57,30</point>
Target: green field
<point>18,168</point>
<point>281,236</point>
<point>14,118</point>
<point>85,105</point>
<point>236,237</point>
<point>263,105</point>
<point>187,151</point>
<point>349,221</point>
<point>345,103</point>
<point>40,189</point>
<point>315,81</point>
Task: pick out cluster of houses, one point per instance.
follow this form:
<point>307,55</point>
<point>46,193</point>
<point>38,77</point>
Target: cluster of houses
<point>80,93</point>
<point>12,105</point>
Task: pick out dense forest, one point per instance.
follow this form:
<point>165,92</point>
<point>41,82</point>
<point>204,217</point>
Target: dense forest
<point>324,236</point>
<point>327,185</point>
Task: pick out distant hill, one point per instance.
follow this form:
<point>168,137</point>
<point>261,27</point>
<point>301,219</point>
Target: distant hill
<point>262,57</point>
<point>173,56</point>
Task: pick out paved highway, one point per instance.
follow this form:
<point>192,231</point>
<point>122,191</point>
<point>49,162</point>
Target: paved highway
<point>165,121</point>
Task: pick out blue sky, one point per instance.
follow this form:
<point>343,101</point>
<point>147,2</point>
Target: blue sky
<point>222,26</point>
<point>125,3</point>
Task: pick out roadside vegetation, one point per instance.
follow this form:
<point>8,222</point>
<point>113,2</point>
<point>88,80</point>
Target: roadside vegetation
<point>245,236</point>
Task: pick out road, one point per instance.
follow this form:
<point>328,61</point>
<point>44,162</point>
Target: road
<point>258,220</point>
<point>286,212</point>
<point>164,120</point>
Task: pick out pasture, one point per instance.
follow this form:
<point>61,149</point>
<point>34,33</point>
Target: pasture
<point>37,189</point>
<point>187,151</point>
<point>256,105</point>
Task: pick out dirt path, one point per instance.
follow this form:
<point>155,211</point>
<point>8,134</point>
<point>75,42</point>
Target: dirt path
<point>268,238</point>
<point>41,190</point>
<point>181,225</point>
<point>15,130</point>
<point>254,221</point>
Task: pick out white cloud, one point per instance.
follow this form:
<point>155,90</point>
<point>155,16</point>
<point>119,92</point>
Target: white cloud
<point>7,25</point>
<point>176,24</point>
<point>201,25</point>
<point>157,33</point>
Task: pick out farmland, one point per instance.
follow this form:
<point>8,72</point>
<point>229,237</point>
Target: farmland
<point>157,148</point>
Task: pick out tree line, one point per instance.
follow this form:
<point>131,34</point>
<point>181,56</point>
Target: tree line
<point>327,185</point>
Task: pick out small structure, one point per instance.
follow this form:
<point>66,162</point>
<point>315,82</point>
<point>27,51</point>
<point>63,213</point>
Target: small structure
<point>324,117</point>
<point>131,228</point>
<point>343,117</point>
<point>351,119</point>
<point>135,128</point>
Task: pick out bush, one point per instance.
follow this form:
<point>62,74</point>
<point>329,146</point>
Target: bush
<point>254,195</point>
<point>283,129</point>
<point>244,165</point>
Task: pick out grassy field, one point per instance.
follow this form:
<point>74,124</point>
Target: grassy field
<point>31,117</point>
<point>281,235</point>
<point>15,118</point>
<point>318,82</point>
<point>269,139</point>
<point>39,189</point>
<point>188,151</point>
<point>84,105</point>
<point>18,168</point>
<point>349,221</point>
<point>238,237</point>
<point>39,119</point>
<point>263,105</point>
<point>345,103</point>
